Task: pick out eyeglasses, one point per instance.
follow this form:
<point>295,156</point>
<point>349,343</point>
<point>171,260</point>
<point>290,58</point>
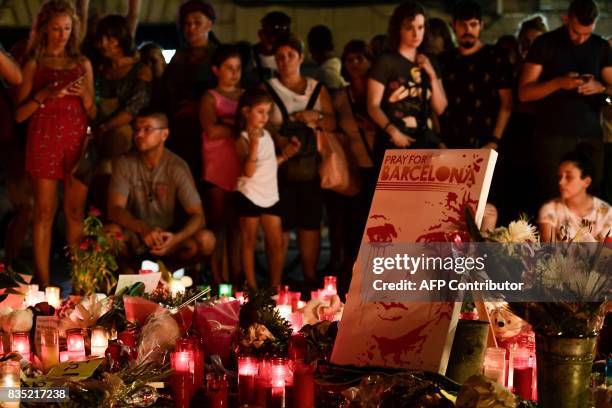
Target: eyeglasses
<point>146,129</point>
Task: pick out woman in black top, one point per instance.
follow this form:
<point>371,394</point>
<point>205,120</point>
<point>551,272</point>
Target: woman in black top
<point>404,89</point>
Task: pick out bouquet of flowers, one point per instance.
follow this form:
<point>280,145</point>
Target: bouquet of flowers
<point>93,260</point>
<point>572,281</point>
<point>261,330</point>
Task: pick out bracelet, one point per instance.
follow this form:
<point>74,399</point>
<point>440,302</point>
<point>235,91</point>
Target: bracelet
<point>387,125</point>
<point>37,101</point>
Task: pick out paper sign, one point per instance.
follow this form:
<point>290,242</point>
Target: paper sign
<point>74,370</point>
<point>149,266</point>
<point>150,281</point>
<point>420,196</point>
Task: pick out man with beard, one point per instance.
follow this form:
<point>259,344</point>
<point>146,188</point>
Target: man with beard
<point>566,71</point>
<point>478,79</point>
<point>146,185</point>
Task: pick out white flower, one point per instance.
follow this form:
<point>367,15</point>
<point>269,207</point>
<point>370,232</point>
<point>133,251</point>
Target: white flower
<point>17,321</point>
<point>521,231</point>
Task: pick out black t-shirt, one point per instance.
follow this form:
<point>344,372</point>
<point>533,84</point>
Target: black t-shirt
<point>472,85</point>
<point>566,112</point>
<point>411,114</point>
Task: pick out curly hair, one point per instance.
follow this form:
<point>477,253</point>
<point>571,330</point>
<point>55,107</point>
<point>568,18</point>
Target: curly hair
<point>38,37</point>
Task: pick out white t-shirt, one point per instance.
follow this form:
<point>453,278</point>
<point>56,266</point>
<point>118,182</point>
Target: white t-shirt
<point>566,224</point>
<point>262,187</point>
<point>293,102</point>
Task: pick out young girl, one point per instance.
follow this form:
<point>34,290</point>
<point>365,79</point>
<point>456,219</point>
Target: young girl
<point>257,197</point>
<point>57,97</point>
<point>221,168</point>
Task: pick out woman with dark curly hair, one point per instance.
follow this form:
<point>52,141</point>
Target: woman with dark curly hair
<point>404,89</point>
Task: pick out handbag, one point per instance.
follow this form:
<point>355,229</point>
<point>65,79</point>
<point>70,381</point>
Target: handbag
<point>303,166</point>
<point>334,170</point>
<point>88,162</point>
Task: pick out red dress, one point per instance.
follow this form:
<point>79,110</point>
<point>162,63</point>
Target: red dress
<point>56,132</point>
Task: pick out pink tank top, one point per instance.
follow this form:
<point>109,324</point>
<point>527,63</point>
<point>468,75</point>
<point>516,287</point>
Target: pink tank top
<point>220,165</point>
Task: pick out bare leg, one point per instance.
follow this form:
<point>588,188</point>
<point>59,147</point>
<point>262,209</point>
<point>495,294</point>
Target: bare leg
<point>309,243</point>
<point>75,195</point>
<point>248,236</point>
<point>273,233</point>
<point>45,204</point>
<point>215,202</point>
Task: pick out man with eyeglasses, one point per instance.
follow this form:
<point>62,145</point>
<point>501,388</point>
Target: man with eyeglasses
<point>274,25</point>
<point>145,186</point>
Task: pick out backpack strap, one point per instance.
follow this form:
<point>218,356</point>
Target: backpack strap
<point>314,96</point>
<point>278,101</point>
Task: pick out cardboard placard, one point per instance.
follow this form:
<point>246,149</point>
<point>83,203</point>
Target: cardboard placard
<point>420,197</point>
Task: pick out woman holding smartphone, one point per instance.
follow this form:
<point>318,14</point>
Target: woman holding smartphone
<point>57,98</point>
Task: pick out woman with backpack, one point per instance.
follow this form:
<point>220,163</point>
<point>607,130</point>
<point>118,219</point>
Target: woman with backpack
<point>301,105</point>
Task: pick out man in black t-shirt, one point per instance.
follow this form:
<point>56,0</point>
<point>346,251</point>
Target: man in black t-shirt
<point>566,71</point>
<point>478,83</point>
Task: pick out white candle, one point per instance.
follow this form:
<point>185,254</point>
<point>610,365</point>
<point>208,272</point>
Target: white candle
<point>52,294</point>
<point>284,311</point>
<point>99,341</point>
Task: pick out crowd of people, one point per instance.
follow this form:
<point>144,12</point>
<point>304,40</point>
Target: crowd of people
<point>196,156</point>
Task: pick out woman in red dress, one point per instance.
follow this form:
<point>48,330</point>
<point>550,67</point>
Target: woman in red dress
<point>57,97</point>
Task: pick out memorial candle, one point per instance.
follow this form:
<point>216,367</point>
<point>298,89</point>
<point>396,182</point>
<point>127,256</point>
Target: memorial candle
<point>330,285</point>
<point>284,311</point>
<point>75,343</point>
<point>495,364</point>
<point>10,373</point>
<point>247,370</point>
<point>52,294</point>
<point>49,347</point>
<point>20,343</point>
<point>182,379</point>
<point>225,289</point>
<point>217,390</point>
<point>99,341</point>
<point>522,373</point>
<point>239,295</point>
<point>303,384</point>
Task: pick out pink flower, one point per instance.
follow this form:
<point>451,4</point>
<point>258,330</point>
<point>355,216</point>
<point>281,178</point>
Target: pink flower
<point>94,212</point>
<point>84,245</point>
<point>119,236</point>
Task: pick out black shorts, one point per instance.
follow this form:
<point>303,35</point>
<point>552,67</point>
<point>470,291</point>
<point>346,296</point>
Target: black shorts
<point>246,208</point>
<point>301,204</point>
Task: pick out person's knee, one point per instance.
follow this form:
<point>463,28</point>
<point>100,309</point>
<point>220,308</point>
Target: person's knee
<point>44,212</point>
<point>205,241</point>
<point>74,213</point>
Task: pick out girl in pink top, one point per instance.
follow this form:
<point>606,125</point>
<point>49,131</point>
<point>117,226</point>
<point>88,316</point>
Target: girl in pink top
<point>221,168</point>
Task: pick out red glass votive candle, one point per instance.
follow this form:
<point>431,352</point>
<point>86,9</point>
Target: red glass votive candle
<point>247,370</point>
<point>20,343</point>
<point>522,378</point>
<point>193,346</point>
<point>295,300</point>
<point>297,347</point>
<point>75,344</point>
<point>219,342</point>
<point>182,387</point>
<point>330,285</point>
<point>283,295</point>
<point>303,384</point>
<point>181,361</point>
<point>217,388</point>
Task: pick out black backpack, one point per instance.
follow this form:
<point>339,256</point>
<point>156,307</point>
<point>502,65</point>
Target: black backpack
<point>304,166</point>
